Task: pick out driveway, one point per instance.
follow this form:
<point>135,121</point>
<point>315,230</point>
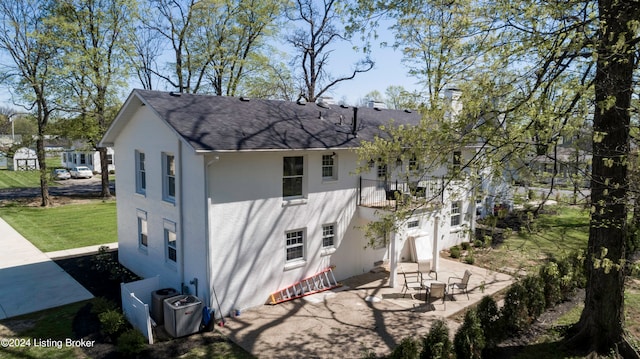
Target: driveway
<point>29,280</point>
<point>362,316</point>
<point>70,187</point>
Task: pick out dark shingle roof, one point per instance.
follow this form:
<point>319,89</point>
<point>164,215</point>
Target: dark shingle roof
<point>218,123</point>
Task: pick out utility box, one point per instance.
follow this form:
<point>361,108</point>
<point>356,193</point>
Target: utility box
<point>157,303</point>
<point>182,315</point>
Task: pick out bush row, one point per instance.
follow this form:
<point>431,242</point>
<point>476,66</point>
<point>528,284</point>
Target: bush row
<point>486,325</point>
<point>115,328</point>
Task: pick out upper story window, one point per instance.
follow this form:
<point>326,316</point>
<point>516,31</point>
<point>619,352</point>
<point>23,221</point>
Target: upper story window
<point>141,173</point>
<point>413,224</point>
<point>382,170</point>
<point>169,177</point>
<point>455,213</point>
<point>457,160</point>
<point>413,163</point>
<point>329,171</point>
<point>292,176</point>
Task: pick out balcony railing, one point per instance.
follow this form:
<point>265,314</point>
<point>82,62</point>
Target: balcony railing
<point>389,194</point>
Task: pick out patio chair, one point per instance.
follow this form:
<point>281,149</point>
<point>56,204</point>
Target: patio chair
<point>437,291</point>
<point>424,267</point>
<point>412,280</point>
<point>462,284</point>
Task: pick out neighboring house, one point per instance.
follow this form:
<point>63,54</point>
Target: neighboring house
<point>85,156</point>
<point>24,159</point>
<point>239,198</point>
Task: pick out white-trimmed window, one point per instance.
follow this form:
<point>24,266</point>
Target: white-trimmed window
<point>328,235</point>
<point>295,245</point>
<point>455,213</point>
<point>170,240</point>
<point>143,239</point>
<point>457,160</point>
<point>141,174</point>
<point>169,177</point>
<point>382,169</point>
<point>329,170</point>
<point>413,224</point>
<point>83,160</point>
<point>292,177</point>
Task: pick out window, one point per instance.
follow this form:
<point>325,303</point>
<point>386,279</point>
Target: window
<point>169,179</point>
<point>413,224</point>
<point>413,163</point>
<point>170,240</point>
<point>141,174</point>
<point>64,157</point>
<point>455,213</point>
<point>328,235</point>
<point>328,167</point>
<point>142,229</point>
<point>382,170</point>
<point>292,176</point>
<point>83,159</point>
<point>110,159</point>
<point>75,158</point>
<point>457,160</point>
<point>295,245</point>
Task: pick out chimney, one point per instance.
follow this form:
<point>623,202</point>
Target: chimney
<point>453,106</point>
<point>354,123</point>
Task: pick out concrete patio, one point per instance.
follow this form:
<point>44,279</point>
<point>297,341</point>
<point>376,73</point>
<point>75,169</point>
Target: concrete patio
<point>364,315</point>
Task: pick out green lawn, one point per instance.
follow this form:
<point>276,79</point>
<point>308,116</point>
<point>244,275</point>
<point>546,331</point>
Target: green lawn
<point>64,227</point>
<point>20,179</point>
<point>556,234</point>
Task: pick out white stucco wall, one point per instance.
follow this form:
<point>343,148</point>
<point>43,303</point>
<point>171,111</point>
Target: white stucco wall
<point>149,135</point>
<point>249,220</point>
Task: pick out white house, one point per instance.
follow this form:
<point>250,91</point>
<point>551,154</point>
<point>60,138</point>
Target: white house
<point>85,156</point>
<point>235,198</point>
<point>24,159</point>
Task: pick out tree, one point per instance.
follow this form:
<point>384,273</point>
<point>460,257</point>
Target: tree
<point>25,38</point>
<point>547,66</point>
<point>211,42</point>
<point>92,37</point>
<point>312,42</point>
<point>399,98</point>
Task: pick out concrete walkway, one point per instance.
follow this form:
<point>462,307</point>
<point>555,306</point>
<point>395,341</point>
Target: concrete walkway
<point>364,315</point>
<point>29,280</point>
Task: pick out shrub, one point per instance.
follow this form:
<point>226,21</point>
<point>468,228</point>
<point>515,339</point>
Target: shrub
<point>469,259</point>
<point>469,339</point>
<point>111,322</point>
<point>534,296</point>
<point>408,349</point>
<point>478,243</point>
<point>100,305</point>
<point>514,315</point>
<point>131,343</point>
<point>488,315</point>
<point>465,245</point>
<point>436,344</point>
<point>454,252</point>
<point>550,275</point>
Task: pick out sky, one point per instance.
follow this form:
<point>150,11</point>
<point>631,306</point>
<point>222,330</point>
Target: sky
<point>387,71</point>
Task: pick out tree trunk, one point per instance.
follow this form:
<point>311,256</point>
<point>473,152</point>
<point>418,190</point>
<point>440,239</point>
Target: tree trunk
<point>602,320</point>
<point>44,183</point>
<point>104,172</point>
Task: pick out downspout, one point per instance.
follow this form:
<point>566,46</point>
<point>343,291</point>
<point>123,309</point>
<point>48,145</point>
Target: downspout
<point>207,240</point>
<point>179,201</point>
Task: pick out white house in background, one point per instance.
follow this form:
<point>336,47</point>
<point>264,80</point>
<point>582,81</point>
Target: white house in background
<point>237,198</point>
<point>86,156</point>
<point>24,159</point>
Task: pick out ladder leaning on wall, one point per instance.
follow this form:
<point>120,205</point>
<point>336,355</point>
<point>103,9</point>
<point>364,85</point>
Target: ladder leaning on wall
<point>318,282</point>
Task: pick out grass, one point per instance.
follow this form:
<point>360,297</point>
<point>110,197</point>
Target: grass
<point>20,179</point>
<point>552,234</point>
<point>54,324</point>
<point>64,227</point>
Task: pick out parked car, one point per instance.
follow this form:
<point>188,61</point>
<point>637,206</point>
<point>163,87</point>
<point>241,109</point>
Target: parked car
<point>81,172</point>
<point>60,174</point>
